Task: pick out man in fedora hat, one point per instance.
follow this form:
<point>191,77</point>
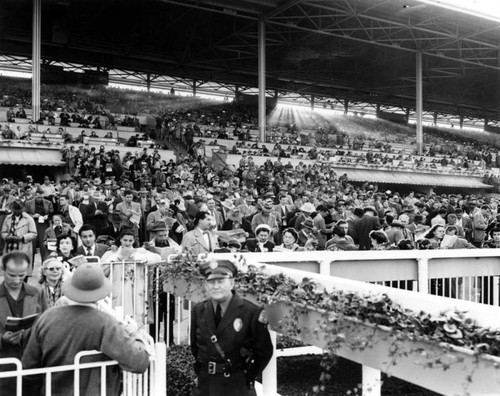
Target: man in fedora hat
<point>229,336</point>
<point>158,217</point>
<point>309,235</point>
<point>63,331</point>
<point>161,238</point>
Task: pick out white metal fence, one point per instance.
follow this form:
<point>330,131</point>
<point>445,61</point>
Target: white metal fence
<point>152,382</point>
<point>134,288</point>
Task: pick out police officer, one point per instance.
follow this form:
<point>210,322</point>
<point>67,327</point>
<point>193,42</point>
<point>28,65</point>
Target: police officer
<point>229,336</point>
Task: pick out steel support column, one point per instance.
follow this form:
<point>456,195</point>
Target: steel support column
<point>262,81</point>
<point>36,55</point>
<point>418,107</point>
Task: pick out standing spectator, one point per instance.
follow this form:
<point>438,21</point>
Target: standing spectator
<point>41,210</point>
<point>200,239</point>
<point>62,332</point>
<point>266,216</point>
<point>229,337</point>
<point>479,225</point>
<point>18,232</point>
<point>130,211</point>
<point>71,214</point>
<point>17,299</point>
<point>362,228</point>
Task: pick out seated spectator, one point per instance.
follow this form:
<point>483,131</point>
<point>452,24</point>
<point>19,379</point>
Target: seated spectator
<point>261,242</point>
<point>51,279</point>
<point>340,239</point>
<point>378,240</point>
<point>455,242</point>
<point>66,246</point>
<point>289,238</point>
<point>308,235</point>
<point>494,241</point>
<point>435,235</point>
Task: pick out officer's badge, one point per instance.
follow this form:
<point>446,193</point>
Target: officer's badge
<point>263,317</point>
<point>213,264</point>
<point>237,324</point>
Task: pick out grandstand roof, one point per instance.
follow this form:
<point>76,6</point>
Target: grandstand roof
<point>362,50</point>
<point>30,156</point>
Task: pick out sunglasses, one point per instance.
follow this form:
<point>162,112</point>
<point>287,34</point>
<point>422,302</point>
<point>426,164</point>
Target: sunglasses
<point>53,269</point>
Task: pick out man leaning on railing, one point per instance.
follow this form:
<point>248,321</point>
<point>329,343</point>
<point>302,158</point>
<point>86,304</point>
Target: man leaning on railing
<point>63,331</point>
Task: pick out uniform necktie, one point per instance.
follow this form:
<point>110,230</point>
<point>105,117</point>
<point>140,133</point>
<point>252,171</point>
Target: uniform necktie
<point>218,315</point>
<point>89,253</point>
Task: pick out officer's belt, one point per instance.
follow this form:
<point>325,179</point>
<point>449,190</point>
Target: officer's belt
<point>220,368</point>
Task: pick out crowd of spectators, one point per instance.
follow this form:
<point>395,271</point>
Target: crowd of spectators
<point>191,185</point>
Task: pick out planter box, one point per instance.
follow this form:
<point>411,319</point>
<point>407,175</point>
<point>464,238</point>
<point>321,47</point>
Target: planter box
<point>442,368</point>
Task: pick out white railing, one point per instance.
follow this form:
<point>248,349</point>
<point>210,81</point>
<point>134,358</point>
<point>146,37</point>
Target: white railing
<point>466,274</point>
<point>152,382</point>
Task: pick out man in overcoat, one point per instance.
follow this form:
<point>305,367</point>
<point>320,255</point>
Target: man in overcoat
<point>229,336</point>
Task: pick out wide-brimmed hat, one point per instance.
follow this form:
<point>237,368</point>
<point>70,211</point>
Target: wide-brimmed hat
<point>308,223</point>
<point>228,204</point>
<point>88,284</point>
<point>369,209</point>
<point>160,226</point>
<point>235,214</point>
<point>308,207</point>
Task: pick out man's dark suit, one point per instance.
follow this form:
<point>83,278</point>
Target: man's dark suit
<point>362,229</point>
<point>48,209</point>
<point>99,250</point>
<point>242,326</point>
<point>111,231</point>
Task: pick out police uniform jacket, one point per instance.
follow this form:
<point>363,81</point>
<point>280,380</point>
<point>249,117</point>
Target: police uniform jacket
<point>242,326</point>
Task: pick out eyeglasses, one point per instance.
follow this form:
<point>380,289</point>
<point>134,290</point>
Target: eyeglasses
<point>54,269</point>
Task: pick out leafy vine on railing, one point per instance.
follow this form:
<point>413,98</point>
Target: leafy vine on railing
<point>451,328</point>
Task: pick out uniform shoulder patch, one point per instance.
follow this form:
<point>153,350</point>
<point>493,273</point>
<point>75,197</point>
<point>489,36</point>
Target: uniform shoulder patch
<point>263,317</point>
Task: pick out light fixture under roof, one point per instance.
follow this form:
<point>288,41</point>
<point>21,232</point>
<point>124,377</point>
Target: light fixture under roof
<point>487,9</point>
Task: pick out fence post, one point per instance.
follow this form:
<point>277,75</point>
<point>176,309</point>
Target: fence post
<point>371,382</point>
<point>496,294</point>
<point>270,374</point>
<point>160,370</point>
<point>324,267</point>
<point>423,275</point>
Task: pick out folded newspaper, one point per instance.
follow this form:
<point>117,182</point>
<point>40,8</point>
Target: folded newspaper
<point>164,252</point>
<point>16,324</point>
<point>238,234</point>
